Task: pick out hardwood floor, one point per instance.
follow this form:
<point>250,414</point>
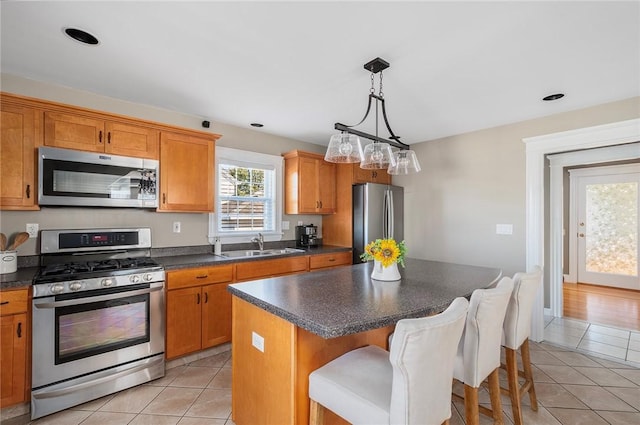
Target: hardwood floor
<point>602,305</point>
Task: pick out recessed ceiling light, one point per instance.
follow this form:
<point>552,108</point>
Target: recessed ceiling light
<point>554,96</point>
<point>81,36</point>
<point>256,124</point>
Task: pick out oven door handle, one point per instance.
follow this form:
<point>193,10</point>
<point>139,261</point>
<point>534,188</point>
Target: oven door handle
<point>109,297</point>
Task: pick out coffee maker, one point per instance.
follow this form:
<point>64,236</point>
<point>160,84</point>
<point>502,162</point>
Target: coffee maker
<point>307,236</point>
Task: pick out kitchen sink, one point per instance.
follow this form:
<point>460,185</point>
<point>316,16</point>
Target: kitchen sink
<point>259,253</point>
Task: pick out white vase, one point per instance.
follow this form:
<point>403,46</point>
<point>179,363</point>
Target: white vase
<point>390,273</point>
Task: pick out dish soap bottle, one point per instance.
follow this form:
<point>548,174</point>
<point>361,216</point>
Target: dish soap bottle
<point>217,247</point>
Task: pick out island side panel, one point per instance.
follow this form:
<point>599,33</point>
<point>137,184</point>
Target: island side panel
<point>313,351</point>
<point>262,382</point>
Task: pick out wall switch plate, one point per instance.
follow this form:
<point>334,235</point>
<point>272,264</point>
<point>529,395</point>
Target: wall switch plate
<point>32,229</point>
<point>285,225</point>
<point>257,341</point>
<point>504,229</point>
<point>176,227</point>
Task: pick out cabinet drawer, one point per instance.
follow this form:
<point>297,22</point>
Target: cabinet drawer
<point>267,268</point>
<point>199,276</point>
<point>12,302</point>
<point>330,260</point>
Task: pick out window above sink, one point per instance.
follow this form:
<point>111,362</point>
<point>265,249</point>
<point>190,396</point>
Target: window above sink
<point>248,197</point>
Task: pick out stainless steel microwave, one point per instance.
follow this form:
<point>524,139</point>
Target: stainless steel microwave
<point>90,179</point>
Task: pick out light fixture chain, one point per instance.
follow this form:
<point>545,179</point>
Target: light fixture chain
<point>380,93</point>
<point>372,90</point>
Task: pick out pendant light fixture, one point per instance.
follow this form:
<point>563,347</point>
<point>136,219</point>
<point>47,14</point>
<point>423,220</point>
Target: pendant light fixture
<point>345,147</point>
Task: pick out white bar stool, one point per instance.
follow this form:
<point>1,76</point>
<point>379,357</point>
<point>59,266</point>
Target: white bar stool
<point>411,384</point>
<point>517,328</point>
<point>478,356</point>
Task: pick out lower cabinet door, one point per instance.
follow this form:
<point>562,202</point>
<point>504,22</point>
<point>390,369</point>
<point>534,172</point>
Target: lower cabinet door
<point>216,315</point>
<point>13,359</point>
<point>184,310</point>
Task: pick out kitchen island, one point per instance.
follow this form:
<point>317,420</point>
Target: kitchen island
<point>286,327</point>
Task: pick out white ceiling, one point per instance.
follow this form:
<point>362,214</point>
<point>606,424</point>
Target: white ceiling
<point>297,67</point>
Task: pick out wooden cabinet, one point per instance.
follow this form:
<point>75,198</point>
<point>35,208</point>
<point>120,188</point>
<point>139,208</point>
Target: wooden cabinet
<point>310,184</point>
<point>332,259</point>
<point>20,127</point>
<point>198,309</point>
<point>337,229</point>
<point>269,268</point>
<point>14,334</point>
<point>369,176</point>
<point>87,133</point>
<point>186,173</point>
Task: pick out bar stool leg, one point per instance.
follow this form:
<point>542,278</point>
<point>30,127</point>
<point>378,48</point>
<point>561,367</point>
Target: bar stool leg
<point>528,374</point>
<point>316,413</point>
<point>471,406</point>
<point>494,393</point>
<point>514,386</point>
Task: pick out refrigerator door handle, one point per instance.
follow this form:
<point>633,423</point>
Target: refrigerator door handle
<point>391,212</point>
<point>385,209</point>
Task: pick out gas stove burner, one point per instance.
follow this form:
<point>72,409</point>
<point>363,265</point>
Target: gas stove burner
<point>96,266</point>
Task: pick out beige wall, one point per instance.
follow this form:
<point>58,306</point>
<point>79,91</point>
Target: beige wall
<point>471,182</point>
<point>194,226</point>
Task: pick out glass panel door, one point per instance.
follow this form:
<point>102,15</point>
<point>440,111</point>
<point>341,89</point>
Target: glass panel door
<point>608,230</point>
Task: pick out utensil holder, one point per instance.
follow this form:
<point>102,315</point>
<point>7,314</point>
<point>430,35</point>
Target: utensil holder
<point>8,261</point>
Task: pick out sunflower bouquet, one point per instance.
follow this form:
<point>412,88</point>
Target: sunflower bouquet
<point>386,251</point>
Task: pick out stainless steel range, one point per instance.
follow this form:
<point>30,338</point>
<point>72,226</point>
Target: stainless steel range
<point>98,316</point>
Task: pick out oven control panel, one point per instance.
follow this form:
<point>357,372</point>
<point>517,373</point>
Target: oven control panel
<point>89,284</point>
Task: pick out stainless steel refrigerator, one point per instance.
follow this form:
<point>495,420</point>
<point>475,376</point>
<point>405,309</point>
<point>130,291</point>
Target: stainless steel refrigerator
<point>378,213</point>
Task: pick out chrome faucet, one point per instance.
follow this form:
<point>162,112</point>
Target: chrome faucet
<point>259,240</point>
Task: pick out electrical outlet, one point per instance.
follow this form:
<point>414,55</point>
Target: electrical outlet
<point>257,341</point>
<point>176,227</point>
<point>300,223</point>
<point>32,229</point>
<point>285,225</point>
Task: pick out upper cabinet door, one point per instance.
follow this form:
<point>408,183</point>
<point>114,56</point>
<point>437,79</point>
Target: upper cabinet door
<point>310,184</point>
<point>186,173</point>
<point>19,127</point>
<point>74,132</point>
<point>326,187</point>
<point>131,140</point>
<point>96,135</point>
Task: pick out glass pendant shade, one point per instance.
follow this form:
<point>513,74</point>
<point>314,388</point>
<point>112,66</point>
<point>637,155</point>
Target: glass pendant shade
<point>406,162</point>
<point>377,156</point>
<point>344,148</point>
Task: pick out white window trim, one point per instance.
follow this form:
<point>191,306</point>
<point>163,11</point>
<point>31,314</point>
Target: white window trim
<point>255,159</point>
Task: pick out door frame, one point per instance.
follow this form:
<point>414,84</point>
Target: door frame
<point>581,146</point>
<point>575,175</point>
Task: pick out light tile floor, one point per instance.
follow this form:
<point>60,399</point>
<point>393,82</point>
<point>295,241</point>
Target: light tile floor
<point>614,343</point>
<point>574,386</point>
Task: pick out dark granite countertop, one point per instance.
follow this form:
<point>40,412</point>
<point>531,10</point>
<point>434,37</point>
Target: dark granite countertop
<point>23,277</point>
<point>345,300</point>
